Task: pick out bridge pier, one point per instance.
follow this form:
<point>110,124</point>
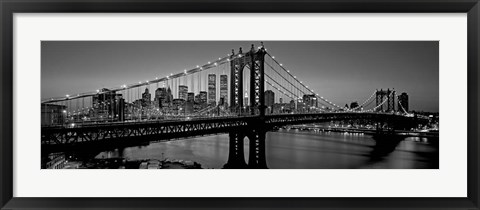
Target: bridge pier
<point>256,156</point>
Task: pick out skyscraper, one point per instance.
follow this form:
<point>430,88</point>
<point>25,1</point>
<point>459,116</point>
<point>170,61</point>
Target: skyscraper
<point>190,103</point>
<point>107,103</point>
<point>269,98</point>
<point>161,97</point>
<point>190,97</point>
<point>146,98</point>
<point>203,97</point>
<point>310,100</point>
<point>169,98</point>
<point>182,92</point>
<point>403,102</point>
<point>212,88</point>
<point>353,105</point>
<point>224,87</point>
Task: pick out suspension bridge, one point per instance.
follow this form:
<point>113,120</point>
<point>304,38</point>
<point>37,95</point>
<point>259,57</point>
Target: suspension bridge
<point>244,94</point>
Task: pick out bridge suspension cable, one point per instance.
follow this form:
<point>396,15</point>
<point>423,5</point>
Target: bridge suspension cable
<point>298,90</point>
<point>401,106</point>
<point>301,83</point>
<point>381,104</point>
<point>361,105</point>
<point>201,68</point>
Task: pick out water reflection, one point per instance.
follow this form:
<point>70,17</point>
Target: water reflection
<point>298,150</point>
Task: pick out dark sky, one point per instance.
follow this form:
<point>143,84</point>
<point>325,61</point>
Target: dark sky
<point>341,71</point>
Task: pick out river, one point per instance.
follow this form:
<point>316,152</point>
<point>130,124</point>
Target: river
<point>293,149</point>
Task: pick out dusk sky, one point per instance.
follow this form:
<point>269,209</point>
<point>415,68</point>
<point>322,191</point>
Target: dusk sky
<point>341,71</point>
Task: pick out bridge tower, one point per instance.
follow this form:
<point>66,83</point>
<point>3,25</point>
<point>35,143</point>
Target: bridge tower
<point>380,97</point>
<point>253,59</point>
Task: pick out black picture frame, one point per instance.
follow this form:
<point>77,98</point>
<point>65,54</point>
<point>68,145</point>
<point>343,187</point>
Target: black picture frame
<point>9,7</point>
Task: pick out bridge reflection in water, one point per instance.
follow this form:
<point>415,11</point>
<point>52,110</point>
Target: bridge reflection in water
<point>56,139</point>
<point>294,150</point>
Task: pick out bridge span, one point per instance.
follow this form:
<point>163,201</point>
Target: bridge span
<point>56,139</point>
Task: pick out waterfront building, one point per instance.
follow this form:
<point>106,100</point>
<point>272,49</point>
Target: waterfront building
<point>53,114</point>
<point>55,161</point>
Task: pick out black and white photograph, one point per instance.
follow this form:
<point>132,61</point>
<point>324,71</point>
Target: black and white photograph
<point>256,104</point>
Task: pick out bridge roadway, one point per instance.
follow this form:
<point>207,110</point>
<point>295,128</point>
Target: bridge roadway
<point>59,138</point>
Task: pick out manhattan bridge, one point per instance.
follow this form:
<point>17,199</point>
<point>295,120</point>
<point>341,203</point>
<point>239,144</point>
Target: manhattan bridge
<point>256,94</point>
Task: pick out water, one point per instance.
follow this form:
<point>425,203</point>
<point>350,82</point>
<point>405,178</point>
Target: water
<point>295,150</point>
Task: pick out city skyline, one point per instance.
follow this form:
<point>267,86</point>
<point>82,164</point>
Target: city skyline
<point>419,80</point>
<point>264,97</point>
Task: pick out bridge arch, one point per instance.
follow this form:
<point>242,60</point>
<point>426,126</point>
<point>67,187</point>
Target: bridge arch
<point>254,61</point>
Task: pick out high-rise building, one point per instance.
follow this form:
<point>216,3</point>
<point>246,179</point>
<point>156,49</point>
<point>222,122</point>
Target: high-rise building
<point>146,98</point>
<point>403,102</point>
<point>169,96</point>
<point>161,97</point>
<point>212,78</point>
<point>53,114</point>
<point>269,98</point>
<point>203,97</point>
<point>224,87</point>
<point>292,104</point>
<point>107,104</point>
<point>178,106</point>
<point>182,92</point>
<point>190,103</point>
<point>353,105</point>
<point>310,100</point>
<point>190,97</point>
